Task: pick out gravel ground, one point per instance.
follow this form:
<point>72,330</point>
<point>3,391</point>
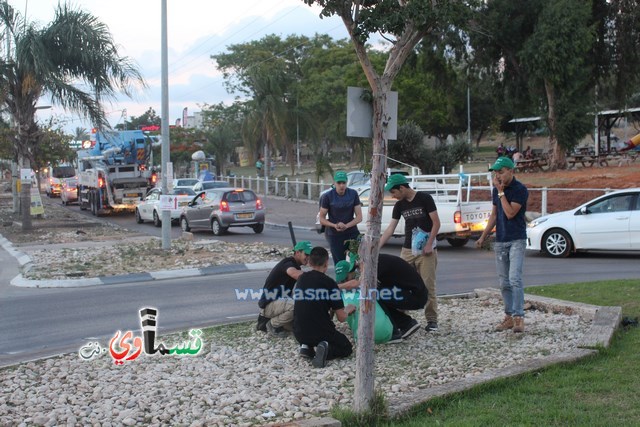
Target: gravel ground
<point>243,377</point>
<point>145,256</point>
<point>246,378</point>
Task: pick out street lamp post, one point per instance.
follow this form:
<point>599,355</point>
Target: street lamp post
<point>165,155</point>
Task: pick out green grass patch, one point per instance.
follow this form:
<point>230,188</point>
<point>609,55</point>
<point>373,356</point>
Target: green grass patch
<point>349,418</point>
<point>601,390</point>
<point>485,150</point>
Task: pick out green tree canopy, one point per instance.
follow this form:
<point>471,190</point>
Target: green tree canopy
<point>223,125</point>
<point>148,118</point>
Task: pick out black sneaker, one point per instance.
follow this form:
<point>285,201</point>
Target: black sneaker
<point>279,331</point>
<point>431,327</point>
<point>307,352</point>
<point>320,359</point>
<point>412,328</point>
<point>261,325</point>
<point>396,337</point>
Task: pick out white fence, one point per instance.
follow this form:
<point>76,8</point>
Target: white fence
<point>544,200</point>
<point>295,189</point>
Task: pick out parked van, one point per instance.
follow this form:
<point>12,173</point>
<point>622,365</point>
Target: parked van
<point>55,175</point>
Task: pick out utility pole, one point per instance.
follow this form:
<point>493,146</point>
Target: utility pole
<point>298,129</point>
<point>166,215</point>
<point>468,109</point>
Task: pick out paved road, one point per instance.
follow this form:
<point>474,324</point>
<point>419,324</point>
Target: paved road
<point>39,322</point>
<point>278,211</point>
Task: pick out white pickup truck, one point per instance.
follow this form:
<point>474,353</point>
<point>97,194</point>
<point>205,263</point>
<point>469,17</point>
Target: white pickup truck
<point>463,202</point>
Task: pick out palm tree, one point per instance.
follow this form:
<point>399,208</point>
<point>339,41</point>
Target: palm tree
<point>80,134</point>
<point>267,113</point>
<point>74,50</point>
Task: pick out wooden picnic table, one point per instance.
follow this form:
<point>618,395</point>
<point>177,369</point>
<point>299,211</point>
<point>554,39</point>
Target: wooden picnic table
<point>588,160</point>
<point>531,165</point>
<point>625,158</point>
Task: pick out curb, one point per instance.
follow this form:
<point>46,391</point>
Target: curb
<point>295,227</point>
<point>24,260</point>
<point>20,281</point>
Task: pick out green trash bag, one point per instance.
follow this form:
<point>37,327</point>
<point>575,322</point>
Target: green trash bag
<point>383,329</point>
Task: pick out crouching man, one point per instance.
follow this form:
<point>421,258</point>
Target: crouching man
<point>316,294</point>
<point>276,304</point>
<point>400,287</point>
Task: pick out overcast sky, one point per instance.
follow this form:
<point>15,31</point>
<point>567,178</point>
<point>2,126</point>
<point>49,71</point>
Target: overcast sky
<point>197,29</point>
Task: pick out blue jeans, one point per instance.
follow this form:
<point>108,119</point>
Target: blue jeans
<point>509,263</point>
<point>336,244</point>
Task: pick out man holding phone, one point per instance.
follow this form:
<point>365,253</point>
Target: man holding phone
<point>509,206</point>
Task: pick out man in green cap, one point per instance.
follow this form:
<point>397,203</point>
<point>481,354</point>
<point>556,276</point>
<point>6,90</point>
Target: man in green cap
<point>340,213</point>
<point>507,215</point>
<point>276,304</point>
<point>422,224</point>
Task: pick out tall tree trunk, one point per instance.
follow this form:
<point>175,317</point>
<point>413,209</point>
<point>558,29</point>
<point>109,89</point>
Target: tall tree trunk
<point>23,135</point>
<point>365,380</point>
<point>480,135</point>
<point>557,158</point>
<point>15,176</point>
<point>292,157</point>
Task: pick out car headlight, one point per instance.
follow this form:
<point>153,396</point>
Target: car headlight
<point>537,222</point>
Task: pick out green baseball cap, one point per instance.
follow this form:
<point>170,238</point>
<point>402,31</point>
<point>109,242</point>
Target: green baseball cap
<point>343,268</point>
<point>395,179</point>
<point>304,246</point>
<point>340,176</point>
<point>502,162</point>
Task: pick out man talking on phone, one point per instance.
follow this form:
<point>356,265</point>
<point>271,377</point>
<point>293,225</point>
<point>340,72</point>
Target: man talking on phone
<point>507,215</point>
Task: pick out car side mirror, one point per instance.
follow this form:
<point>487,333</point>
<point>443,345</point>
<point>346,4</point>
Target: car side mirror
<point>584,210</point>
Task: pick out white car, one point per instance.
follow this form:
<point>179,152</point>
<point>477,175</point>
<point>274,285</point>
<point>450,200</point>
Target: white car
<point>609,223</point>
<point>184,182</point>
<point>210,185</point>
<point>69,191</point>
<point>149,208</point>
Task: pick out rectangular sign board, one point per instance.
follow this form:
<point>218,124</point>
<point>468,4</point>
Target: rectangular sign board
<point>25,176</point>
<point>168,203</point>
<point>360,114</point>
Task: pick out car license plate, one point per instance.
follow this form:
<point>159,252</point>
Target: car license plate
<point>244,215</point>
<point>480,226</point>
<point>132,195</point>
<point>185,203</point>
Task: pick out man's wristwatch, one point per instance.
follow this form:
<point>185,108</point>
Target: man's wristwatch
<point>500,195</point>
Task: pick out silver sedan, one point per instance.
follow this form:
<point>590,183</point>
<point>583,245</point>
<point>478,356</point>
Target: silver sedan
<point>221,208</point>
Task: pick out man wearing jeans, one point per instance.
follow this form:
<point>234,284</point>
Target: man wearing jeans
<point>509,206</point>
<point>340,212</point>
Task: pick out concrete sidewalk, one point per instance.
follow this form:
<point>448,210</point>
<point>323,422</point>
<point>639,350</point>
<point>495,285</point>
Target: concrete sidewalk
<point>302,213</point>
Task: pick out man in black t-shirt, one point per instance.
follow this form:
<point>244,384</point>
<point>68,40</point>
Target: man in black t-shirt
<point>406,292</point>
<point>276,303</point>
<point>316,294</point>
<point>421,228</point>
